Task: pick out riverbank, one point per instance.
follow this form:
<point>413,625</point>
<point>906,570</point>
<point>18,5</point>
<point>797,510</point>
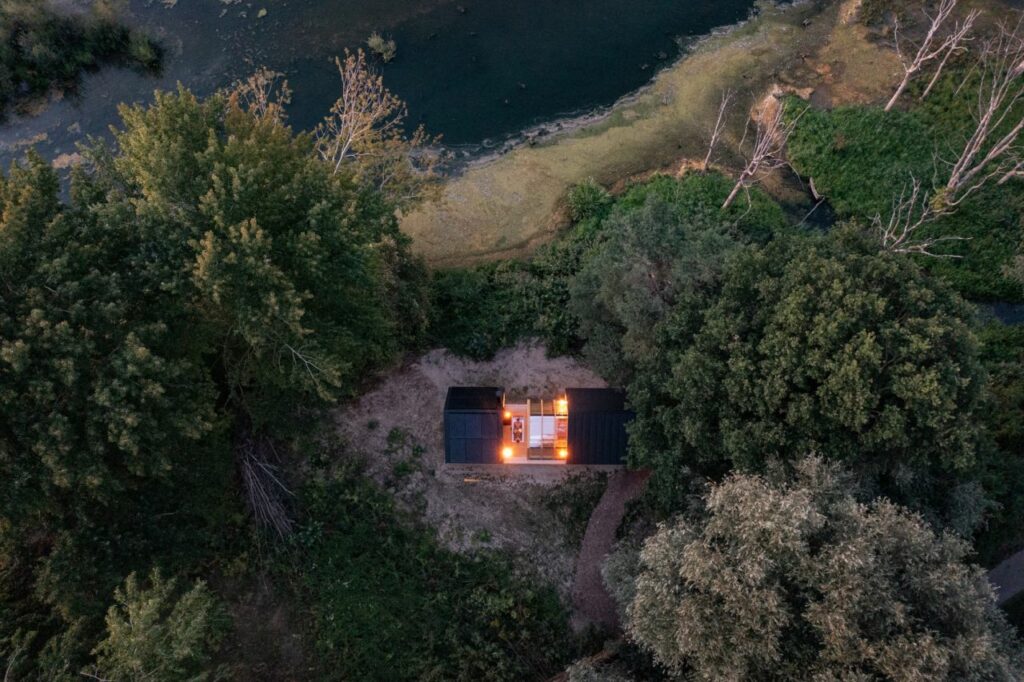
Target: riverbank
<point>507,206</point>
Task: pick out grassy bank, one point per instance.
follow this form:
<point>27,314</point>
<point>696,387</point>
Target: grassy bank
<point>506,207</point>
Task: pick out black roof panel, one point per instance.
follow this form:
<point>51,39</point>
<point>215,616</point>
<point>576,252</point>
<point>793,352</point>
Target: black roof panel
<point>474,399</point>
<point>582,400</point>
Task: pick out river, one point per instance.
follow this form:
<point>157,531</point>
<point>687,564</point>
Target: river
<point>476,72</point>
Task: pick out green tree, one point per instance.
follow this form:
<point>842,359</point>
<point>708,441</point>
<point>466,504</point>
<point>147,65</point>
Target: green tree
<point>207,281</point>
<point>665,241</point>
<point>156,634</point>
<point>798,580</point>
<point>817,345</point>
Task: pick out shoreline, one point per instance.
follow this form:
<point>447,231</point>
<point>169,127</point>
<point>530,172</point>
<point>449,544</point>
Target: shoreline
<point>504,204</point>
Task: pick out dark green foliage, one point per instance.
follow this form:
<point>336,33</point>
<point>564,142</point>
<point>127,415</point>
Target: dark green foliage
<point>860,157</point>
<point>1003,354</point>
<point>42,49</point>
<point>573,500</point>
<point>481,310</point>
<point>665,240</point>
<point>816,345</point>
<point>208,277</point>
<point>387,602</point>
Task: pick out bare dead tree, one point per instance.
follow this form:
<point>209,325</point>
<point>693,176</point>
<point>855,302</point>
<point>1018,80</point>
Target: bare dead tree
<point>366,113</point>
<point>364,130</point>
<point>768,153</point>
<point>265,492</point>
<point>955,44</point>
<point>716,134</point>
<point>911,211</point>
<point>993,150</point>
<point>932,46</point>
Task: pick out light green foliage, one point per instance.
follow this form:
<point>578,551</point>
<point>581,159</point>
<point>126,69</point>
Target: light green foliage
<point>799,581</point>
<point>862,158</point>
<point>588,200</point>
<point>155,634</point>
<point>41,48</point>
<point>385,48</point>
<point>664,241</point>
<point>388,602</point>
<point>814,345</point>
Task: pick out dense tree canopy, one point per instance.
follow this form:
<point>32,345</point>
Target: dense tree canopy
<point>208,276</point>
<point>814,345</point>
<point>666,240</point>
<point>799,581</point>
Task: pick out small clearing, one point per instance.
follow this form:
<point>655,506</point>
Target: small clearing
<point>398,428</point>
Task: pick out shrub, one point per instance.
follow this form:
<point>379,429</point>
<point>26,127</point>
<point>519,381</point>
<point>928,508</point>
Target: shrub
<point>387,602</point>
<point>588,200</point>
<point>385,48</point>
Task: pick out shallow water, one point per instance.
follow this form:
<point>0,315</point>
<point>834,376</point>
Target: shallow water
<point>474,71</point>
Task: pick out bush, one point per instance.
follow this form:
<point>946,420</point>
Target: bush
<point>41,49</point>
<point>588,200</point>
<point>385,48</point>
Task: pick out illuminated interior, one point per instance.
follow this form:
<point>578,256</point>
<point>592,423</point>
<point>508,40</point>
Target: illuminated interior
<point>535,431</point>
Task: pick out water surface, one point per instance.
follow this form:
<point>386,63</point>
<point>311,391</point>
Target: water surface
<point>475,71</point>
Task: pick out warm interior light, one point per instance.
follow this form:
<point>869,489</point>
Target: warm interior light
<point>563,454</point>
<point>508,415</point>
<point>563,406</point>
<point>506,453</point>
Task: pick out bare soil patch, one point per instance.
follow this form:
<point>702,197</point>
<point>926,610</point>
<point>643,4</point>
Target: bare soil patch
<point>398,428</point>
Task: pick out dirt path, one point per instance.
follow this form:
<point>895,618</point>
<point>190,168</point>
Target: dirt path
<point>1008,578</point>
<point>591,602</point>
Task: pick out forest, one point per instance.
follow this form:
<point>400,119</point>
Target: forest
<point>832,414</point>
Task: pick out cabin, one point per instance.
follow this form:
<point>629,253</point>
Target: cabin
<point>486,425</point>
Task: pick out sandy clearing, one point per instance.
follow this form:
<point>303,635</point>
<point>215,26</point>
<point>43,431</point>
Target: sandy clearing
<point>398,427</point>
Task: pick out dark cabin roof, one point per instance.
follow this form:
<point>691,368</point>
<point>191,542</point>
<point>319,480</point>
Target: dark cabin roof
<point>597,426</point>
<point>583,400</point>
<point>473,399</point>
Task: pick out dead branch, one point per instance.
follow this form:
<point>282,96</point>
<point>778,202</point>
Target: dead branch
<point>364,130</point>
<point>716,134</point>
<point>366,113</point>
<point>931,47</point>
<point>992,151</point>
<point>768,153</point>
<point>264,94</point>
<point>911,211</point>
<point>265,492</point>
<point>955,44</point>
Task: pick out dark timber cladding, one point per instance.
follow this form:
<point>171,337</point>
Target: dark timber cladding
<point>597,426</point>
<point>472,425</point>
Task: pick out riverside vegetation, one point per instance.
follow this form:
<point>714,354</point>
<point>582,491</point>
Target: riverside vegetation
<point>832,425</point>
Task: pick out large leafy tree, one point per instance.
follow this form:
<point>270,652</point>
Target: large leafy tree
<point>665,241</point>
<point>798,580</point>
<point>816,345</point>
<point>207,279</point>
